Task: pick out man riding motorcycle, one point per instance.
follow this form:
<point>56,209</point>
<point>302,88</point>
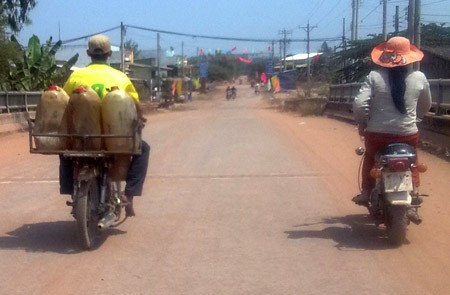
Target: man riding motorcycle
<point>101,77</point>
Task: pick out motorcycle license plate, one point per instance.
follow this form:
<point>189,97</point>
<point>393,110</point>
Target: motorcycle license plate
<point>397,181</point>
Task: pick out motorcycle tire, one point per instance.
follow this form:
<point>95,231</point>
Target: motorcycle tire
<point>397,225</point>
<point>86,214</point>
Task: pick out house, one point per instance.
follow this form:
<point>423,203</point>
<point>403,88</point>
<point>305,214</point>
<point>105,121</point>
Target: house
<point>298,60</point>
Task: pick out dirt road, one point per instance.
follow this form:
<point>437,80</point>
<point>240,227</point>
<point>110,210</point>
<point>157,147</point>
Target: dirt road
<point>240,199</point>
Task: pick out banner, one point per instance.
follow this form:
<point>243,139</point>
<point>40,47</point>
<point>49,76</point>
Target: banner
<point>275,84</point>
<point>241,59</point>
<point>269,68</point>
<point>288,80</point>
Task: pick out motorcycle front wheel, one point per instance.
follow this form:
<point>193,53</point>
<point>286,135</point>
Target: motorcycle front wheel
<point>86,206</point>
<point>397,224</point>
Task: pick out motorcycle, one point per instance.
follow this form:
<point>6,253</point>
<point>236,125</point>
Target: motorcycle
<point>257,91</point>
<point>229,94</point>
<point>395,199</point>
<point>96,200</point>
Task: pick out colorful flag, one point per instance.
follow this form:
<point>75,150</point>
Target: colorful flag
<point>233,49</point>
<point>201,52</point>
<point>275,84</point>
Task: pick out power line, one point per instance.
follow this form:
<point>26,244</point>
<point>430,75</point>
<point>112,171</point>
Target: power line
<point>90,35</point>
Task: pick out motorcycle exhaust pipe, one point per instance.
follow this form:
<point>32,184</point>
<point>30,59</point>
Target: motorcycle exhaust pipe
<point>107,221</point>
<point>414,217</point>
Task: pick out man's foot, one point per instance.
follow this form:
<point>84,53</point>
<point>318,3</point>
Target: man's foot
<point>129,210</point>
<point>361,199</point>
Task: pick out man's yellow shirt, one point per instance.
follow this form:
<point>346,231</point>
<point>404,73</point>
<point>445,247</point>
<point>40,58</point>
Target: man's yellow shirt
<point>100,77</point>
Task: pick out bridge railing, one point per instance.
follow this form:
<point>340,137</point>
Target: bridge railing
<point>434,128</point>
<point>17,101</point>
<point>341,96</point>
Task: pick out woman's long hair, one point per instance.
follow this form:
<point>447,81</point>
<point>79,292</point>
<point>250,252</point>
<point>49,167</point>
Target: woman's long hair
<point>397,81</point>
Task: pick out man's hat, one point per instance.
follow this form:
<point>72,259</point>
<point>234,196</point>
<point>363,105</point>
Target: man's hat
<point>99,44</point>
<point>395,52</point>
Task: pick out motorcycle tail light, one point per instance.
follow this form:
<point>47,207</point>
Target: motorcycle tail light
<point>399,164</point>
<point>421,167</point>
<point>375,173</point>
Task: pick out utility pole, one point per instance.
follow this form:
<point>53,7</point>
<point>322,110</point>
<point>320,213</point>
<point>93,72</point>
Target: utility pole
<point>122,47</point>
<point>281,55</point>
<point>411,18</point>
<point>353,19</point>
<point>308,29</point>
<point>417,30</point>
<point>273,50</point>
<point>182,59</point>
<point>384,20</point>
<point>344,42</point>
<point>414,25</point>
<point>356,18</point>
<point>396,19</point>
<point>284,32</point>
<point>158,60</point>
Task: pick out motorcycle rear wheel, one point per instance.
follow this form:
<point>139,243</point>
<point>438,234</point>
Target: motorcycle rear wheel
<point>86,207</point>
<point>397,225</point>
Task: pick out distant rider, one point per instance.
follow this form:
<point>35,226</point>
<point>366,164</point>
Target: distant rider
<point>233,92</point>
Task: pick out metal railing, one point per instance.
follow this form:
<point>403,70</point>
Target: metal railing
<point>17,101</point>
<point>342,95</point>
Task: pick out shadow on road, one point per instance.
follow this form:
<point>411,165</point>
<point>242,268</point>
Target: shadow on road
<point>59,237</point>
<point>349,232</point>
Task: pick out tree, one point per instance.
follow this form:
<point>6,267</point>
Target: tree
<point>354,63</point>
<point>14,13</point>
<point>130,44</point>
<point>8,51</point>
<point>434,35</point>
<point>37,67</point>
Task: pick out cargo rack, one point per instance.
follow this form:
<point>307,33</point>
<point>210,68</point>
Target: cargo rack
<point>84,152</point>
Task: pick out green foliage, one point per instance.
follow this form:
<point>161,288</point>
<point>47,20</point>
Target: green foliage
<point>353,64</point>
<point>8,51</point>
<point>130,44</point>
<point>219,70</point>
<point>15,13</point>
<point>37,67</point>
<point>220,67</point>
<point>435,35</point>
<point>254,69</point>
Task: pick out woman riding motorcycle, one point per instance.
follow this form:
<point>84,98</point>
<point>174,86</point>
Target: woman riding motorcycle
<point>389,103</point>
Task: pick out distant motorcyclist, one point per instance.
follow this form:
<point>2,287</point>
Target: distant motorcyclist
<point>257,87</point>
<point>228,92</point>
<point>233,92</point>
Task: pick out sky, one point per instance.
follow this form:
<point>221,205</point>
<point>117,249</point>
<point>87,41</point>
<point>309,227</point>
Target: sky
<point>247,19</point>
